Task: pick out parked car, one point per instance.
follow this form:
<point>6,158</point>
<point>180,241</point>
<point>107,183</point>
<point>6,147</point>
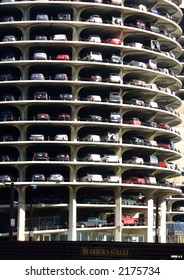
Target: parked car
<point>38,177</point>
<point>8,57</point>
<point>63,117</point>
<point>65,96</point>
<point>5,178</point>
<point>42,117</point>
<point>95,118</point>
<point>41,37</point>
<point>138,83</point>
<point>94,38</point>
<point>37,76</point>
<point>92,222</point>
<point>136,160</point>
<point>115,59</point>
<point>164,145</point>
<point>115,117</point>
<point>40,55</point>
<point>9,38</point>
<point>137,141</point>
<point>7,18</point>
<point>151,180</point>
<point>125,220</point>
<point>127,200</point>
<point>62,57</point>
<point>133,121</point>
<point>96,98</point>
<point>40,156</point>
<point>138,102</point>
<point>59,37</point>
<point>40,95</point>
<point>113,78</point>
<point>61,76</point>
<point>164,126</point>
<point>114,41</point>
<point>4,157</point>
<point>64,16</point>
<point>7,138</point>
<point>110,159</point>
<point>91,138</point>
<point>91,157</point>
<point>115,97</point>
<point>6,116</point>
<point>93,200</point>
<point>93,56</point>
<point>56,178</point>
<point>91,178</point>
<point>8,97</point>
<point>134,180</point>
<point>6,77</point>
<point>36,137</point>
<point>95,18</point>
<point>138,64</point>
<point>112,179</point>
<point>46,199</point>
<point>61,137</point>
<point>110,137</point>
<point>42,17</point>
<point>96,78</point>
<point>63,157</point>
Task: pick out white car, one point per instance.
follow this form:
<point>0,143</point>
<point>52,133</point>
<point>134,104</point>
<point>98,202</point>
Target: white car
<point>92,157</point>
<point>96,98</point>
<point>112,179</point>
<point>113,78</point>
<point>37,76</point>
<point>36,137</point>
<point>93,56</point>
<point>91,138</point>
<point>94,38</point>
<point>59,37</point>
<point>92,178</point>
<point>61,137</point>
<point>55,178</point>
<point>95,18</point>
<point>110,158</point>
<point>40,55</point>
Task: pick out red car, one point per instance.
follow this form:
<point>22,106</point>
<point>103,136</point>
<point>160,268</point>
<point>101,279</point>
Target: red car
<point>125,220</point>
<point>134,180</point>
<point>164,126</point>
<point>114,41</point>
<point>164,145</point>
<point>162,164</point>
<point>63,117</point>
<point>62,57</point>
<point>134,121</point>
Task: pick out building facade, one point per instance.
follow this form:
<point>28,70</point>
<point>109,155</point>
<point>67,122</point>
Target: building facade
<point>88,116</point>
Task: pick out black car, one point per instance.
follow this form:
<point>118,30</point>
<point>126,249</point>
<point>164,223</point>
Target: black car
<point>6,116</point>
<point>40,156</point>
<point>47,199</point>
<point>4,158</point>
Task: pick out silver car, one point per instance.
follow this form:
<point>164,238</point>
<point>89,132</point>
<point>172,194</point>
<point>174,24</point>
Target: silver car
<point>55,178</point>
<point>40,55</point>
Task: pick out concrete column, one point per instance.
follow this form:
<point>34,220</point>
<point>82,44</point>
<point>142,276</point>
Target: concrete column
<point>150,215</point>
<point>72,235</point>
<point>163,222</point>
<point>118,213</point>
<point>21,215</point>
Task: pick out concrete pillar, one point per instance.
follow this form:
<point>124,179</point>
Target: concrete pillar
<point>21,215</point>
<point>72,235</point>
<point>118,213</point>
<point>163,222</point>
<point>150,215</point>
